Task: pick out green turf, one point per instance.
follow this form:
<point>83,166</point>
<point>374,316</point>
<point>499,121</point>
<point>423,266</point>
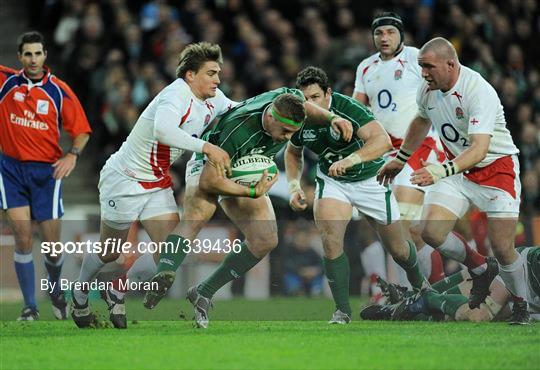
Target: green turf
<point>266,344</point>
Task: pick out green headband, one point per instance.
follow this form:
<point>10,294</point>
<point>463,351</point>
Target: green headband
<point>287,121</point>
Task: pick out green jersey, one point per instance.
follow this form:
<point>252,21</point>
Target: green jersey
<point>330,147</point>
<point>533,264</point>
<point>240,131</point>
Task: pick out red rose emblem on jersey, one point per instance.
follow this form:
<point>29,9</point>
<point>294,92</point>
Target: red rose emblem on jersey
<point>398,74</point>
<point>459,113</point>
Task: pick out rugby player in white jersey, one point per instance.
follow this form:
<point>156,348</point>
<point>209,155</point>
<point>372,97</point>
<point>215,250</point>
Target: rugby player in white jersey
<point>387,82</point>
<point>483,167</point>
<point>135,183</point>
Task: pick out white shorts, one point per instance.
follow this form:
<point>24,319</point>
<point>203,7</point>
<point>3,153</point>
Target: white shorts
<point>456,193</point>
<point>123,200</point>
<point>368,197</point>
<point>194,169</point>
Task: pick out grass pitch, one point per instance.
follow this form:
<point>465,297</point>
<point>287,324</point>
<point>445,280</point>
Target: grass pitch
<point>239,338</point>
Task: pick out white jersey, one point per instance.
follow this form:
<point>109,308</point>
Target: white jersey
<point>142,157</point>
<point>391,86</point>
<point>470,107</point>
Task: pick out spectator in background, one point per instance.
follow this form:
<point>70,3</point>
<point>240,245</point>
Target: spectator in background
<point>303,265</point>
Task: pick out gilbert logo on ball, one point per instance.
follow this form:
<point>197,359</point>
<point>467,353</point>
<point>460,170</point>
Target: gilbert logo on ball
<point>248,169</point>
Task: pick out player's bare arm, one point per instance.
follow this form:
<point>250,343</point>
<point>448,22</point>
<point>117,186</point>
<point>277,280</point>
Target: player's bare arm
<point>65,165</point>
<point>212,183</point>
<point>416,133</point>
<point>376,143</point>
<point>294,164</point>
<point>474,154</point>
<point>318,115</point>
<point>362,98</point>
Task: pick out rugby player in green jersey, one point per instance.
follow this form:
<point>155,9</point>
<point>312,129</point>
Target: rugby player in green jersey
<point>452,304</point>
<point>260,125</point>
<point>346,178</point>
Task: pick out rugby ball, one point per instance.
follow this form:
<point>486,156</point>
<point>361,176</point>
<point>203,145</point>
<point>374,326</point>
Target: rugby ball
<point>247,170</point>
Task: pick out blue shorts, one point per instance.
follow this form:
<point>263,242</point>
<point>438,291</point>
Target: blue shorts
<point>30,184</point>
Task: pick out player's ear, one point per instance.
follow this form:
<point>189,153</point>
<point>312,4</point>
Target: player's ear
<point>190,75</point>
<point>328,91</point>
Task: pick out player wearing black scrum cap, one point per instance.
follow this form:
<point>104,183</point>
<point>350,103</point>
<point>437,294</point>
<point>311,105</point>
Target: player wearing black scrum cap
<point>387,30</point>
<point>387,82</point>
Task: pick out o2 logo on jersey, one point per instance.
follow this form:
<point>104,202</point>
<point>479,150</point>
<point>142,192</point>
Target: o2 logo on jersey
<point>452,135</point>
<point>384,98</point>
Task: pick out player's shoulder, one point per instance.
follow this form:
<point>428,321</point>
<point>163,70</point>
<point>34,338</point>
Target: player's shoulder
<point>179,86</point>
<point>7,71</point>
<point>65,90</point>
<point>364,65</point>
<point>411,53</point>
<point>287,90</point>
<point>423,91</point>
<point>6,74</point>
<point>177,92</point>
<point>473,83</point>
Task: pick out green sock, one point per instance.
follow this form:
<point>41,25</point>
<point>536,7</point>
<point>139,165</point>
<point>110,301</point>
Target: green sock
<point>232,267</point>
<point>173,255</point>
<point>337,271</point>
<point>445,303</point>
<point>448,282</point>
<point>412,268</point>
<point>453,290</point>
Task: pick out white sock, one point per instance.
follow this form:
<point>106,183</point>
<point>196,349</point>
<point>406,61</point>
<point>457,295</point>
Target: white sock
<point>424,260</point>
<point>143,269</point>
<point>453,248</point>
<point>90,267</point>
<point>373,262</point>
<point>514,276</point>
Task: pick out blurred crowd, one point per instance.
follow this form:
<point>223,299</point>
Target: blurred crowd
<point>118,54</point>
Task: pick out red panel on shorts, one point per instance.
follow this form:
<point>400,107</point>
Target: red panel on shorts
<point>499,174</point>
<point>427,146</point>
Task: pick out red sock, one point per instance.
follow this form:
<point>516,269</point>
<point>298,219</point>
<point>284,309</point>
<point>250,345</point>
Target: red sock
<point>437,270</point>
<point>473,259</point>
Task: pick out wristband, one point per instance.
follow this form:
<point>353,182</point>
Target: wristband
<point>331,117</point>
<point>402,156</point>
<point>451,168</point>
<point>75,151</point>
<point>354,158</point>
<point>439,171</point>
<point>252,191</point>
<point>294,185</point>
